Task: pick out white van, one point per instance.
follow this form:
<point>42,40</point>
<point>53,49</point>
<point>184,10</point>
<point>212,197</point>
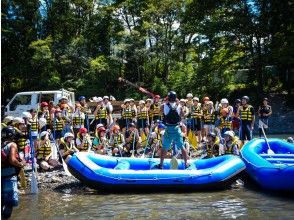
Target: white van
<point>24,101</point>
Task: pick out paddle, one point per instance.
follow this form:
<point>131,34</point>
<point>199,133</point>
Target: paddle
<point>134,140</point>
<point>269,151</point>
<point>174,165</point>
<point>150,133</point>
<point>34,182</point>
<point>23,181</point>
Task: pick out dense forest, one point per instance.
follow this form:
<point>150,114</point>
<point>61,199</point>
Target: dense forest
<point>207,47</point>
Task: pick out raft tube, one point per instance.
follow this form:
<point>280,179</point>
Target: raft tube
<point>270,171</point>
<point>129,174</point>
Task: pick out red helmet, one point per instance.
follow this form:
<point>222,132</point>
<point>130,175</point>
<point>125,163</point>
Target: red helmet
<point>83,130</point>
<point>115,128</point>
<point>157,96</point>
<point>44,104</point>
<point>205,99</point>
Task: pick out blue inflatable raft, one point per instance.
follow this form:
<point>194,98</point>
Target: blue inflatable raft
<point>270,171</point>
<point>121,174</point>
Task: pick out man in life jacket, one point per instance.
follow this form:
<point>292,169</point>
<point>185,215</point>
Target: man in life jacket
<point>225,121</point>
<point>143,118</point>
<point>155,109</point>
<point>247,117</point>
<point>155,141</point>
<point>78,119</point>
<point>132,140</point>
<point>128,114</point>
<point>100,113</point>
<point>172,115</point>
<point>196,115</point>
<point>10,167</point>
<point>58,125</point>
<point>44,113</point>
<point>208,118</point>
<point>22,137</point>
<point>212,146</point>
<point>7,121</point>
<point>264,112</point>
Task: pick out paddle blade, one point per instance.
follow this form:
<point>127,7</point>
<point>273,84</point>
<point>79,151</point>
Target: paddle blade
<point>194,142</point>
<point>23,181</point>
<point>143,137</point>
<point>270,151</point>
<point>190,136</point>
<point>65,168</point>
<point>174,165</point>
<point>34,183</point>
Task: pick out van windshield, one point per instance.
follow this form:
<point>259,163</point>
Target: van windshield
<point>20,100</point>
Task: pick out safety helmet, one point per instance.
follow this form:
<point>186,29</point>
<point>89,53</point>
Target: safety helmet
<point>26,115</point>
<point>265,99</point>
<point>132,125</point>
<point>126,100</point>
<point>99,125</point>
<point>141,102</point>
<point>210,103</point>
<point>157,96</point>
<point>18,120</point>
<point>132,100</point>
<point>189,95</point>
<point>148,100</point>
<point>105,97</point>
<point>172,96</point>
<point>42,122</point>
<point>43,133</point>
<point>212,134</point>
<point>246,98</point>
<point>68,134</point>
<point>196,99</point>
<point>183,100</point>
<point>205,99</point>
<point>101,129</point>
<point>63,97</point>
<point>8,133</point>
<point>99,99</point>
<point>161,126</point>
<point>230,133</point>
<point>224,101</point>
<point>115,128</point>
<point>237,101</point>
<point>82,97</point>
<point>8,119</point>
<point>83,130</point>
<point>44,104</point>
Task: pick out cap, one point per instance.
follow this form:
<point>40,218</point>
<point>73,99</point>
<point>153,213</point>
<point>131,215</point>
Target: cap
<point>83,130</point>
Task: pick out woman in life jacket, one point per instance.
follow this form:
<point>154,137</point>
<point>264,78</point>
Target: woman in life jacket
<point>143,118</point>
<point>225,121</point>
<point>10,167</point>
<point>212,145</point>
<point>67,146</point>
<point>231,145</point>
<point>156,141</point>
<point>208,118</point>
<point>116,141</point>
<point>22,137</point>
<point>100,143</point>
<point>128,115</point>
<point>83,140</point>
<point>44,153</point>
<point>78,119</point>
<point>44,113</point>
<point>132,140</point>
<point>58,125</point>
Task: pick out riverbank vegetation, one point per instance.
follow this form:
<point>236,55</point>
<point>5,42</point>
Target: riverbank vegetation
<point>215,48</point>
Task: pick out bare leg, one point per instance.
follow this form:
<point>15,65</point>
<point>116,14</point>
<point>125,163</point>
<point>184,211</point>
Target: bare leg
<point>184,153</point>
<point>162,156</point>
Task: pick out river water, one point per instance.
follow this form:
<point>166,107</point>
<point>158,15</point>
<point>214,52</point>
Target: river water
<point>239,202</point>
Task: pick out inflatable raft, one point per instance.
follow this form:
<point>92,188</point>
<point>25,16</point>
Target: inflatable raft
<point>121,174</point>
<point>270,171</point>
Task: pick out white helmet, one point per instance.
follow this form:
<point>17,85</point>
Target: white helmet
<point>224,101</point>
<point>99,126</point>
<point>42,122</point>
<point>132,100</point>
<point>148,100</point>
<point>63,97</point>
<point>105,97</point>
<point>99,99</point>
<point>196,99</point>
<point>26,115</point>
<point>112,98</point>
<point>183,100</point>
<point>141,102</point>
<point>189,95</point>
<point>68,134</point>
<point>8,119</point>
<point>43,133</point>
<point>18,120</point>
<point>126,100</point>
<point>230,133</point>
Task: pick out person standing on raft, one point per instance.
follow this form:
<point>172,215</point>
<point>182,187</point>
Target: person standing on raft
<point>172,115</point>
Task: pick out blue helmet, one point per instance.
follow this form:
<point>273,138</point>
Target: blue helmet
<point>161,126</point>
<point>81,98</point>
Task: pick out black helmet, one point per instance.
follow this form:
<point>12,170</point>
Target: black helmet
<point>132,124</point>
<point>246,98</point>
<point>237,101</point>
<point>172,96</point>
<point>212,134</point>
<point>8,133</point>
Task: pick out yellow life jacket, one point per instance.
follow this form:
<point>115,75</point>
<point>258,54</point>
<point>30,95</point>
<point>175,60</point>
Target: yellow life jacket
<point>85,145</point>
<point>210,117</point>
<point>78,120</point>
<point>101,114</point>
<point>128,113</point>
<point>34,124</point>
<point>143,114</point>
<point>118,140</point>
<point>44,150</point>
<point>225,123</point>
<point>212,150</point>
<point>158,139</point>
<point>196,110</point>
<point>245,113</point>
<point>155,110</point>
<point>21,143</point>
<point>59,124</point>
<point>235,141</point>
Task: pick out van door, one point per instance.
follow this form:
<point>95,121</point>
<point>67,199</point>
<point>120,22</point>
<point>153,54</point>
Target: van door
<point>19,103</point>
